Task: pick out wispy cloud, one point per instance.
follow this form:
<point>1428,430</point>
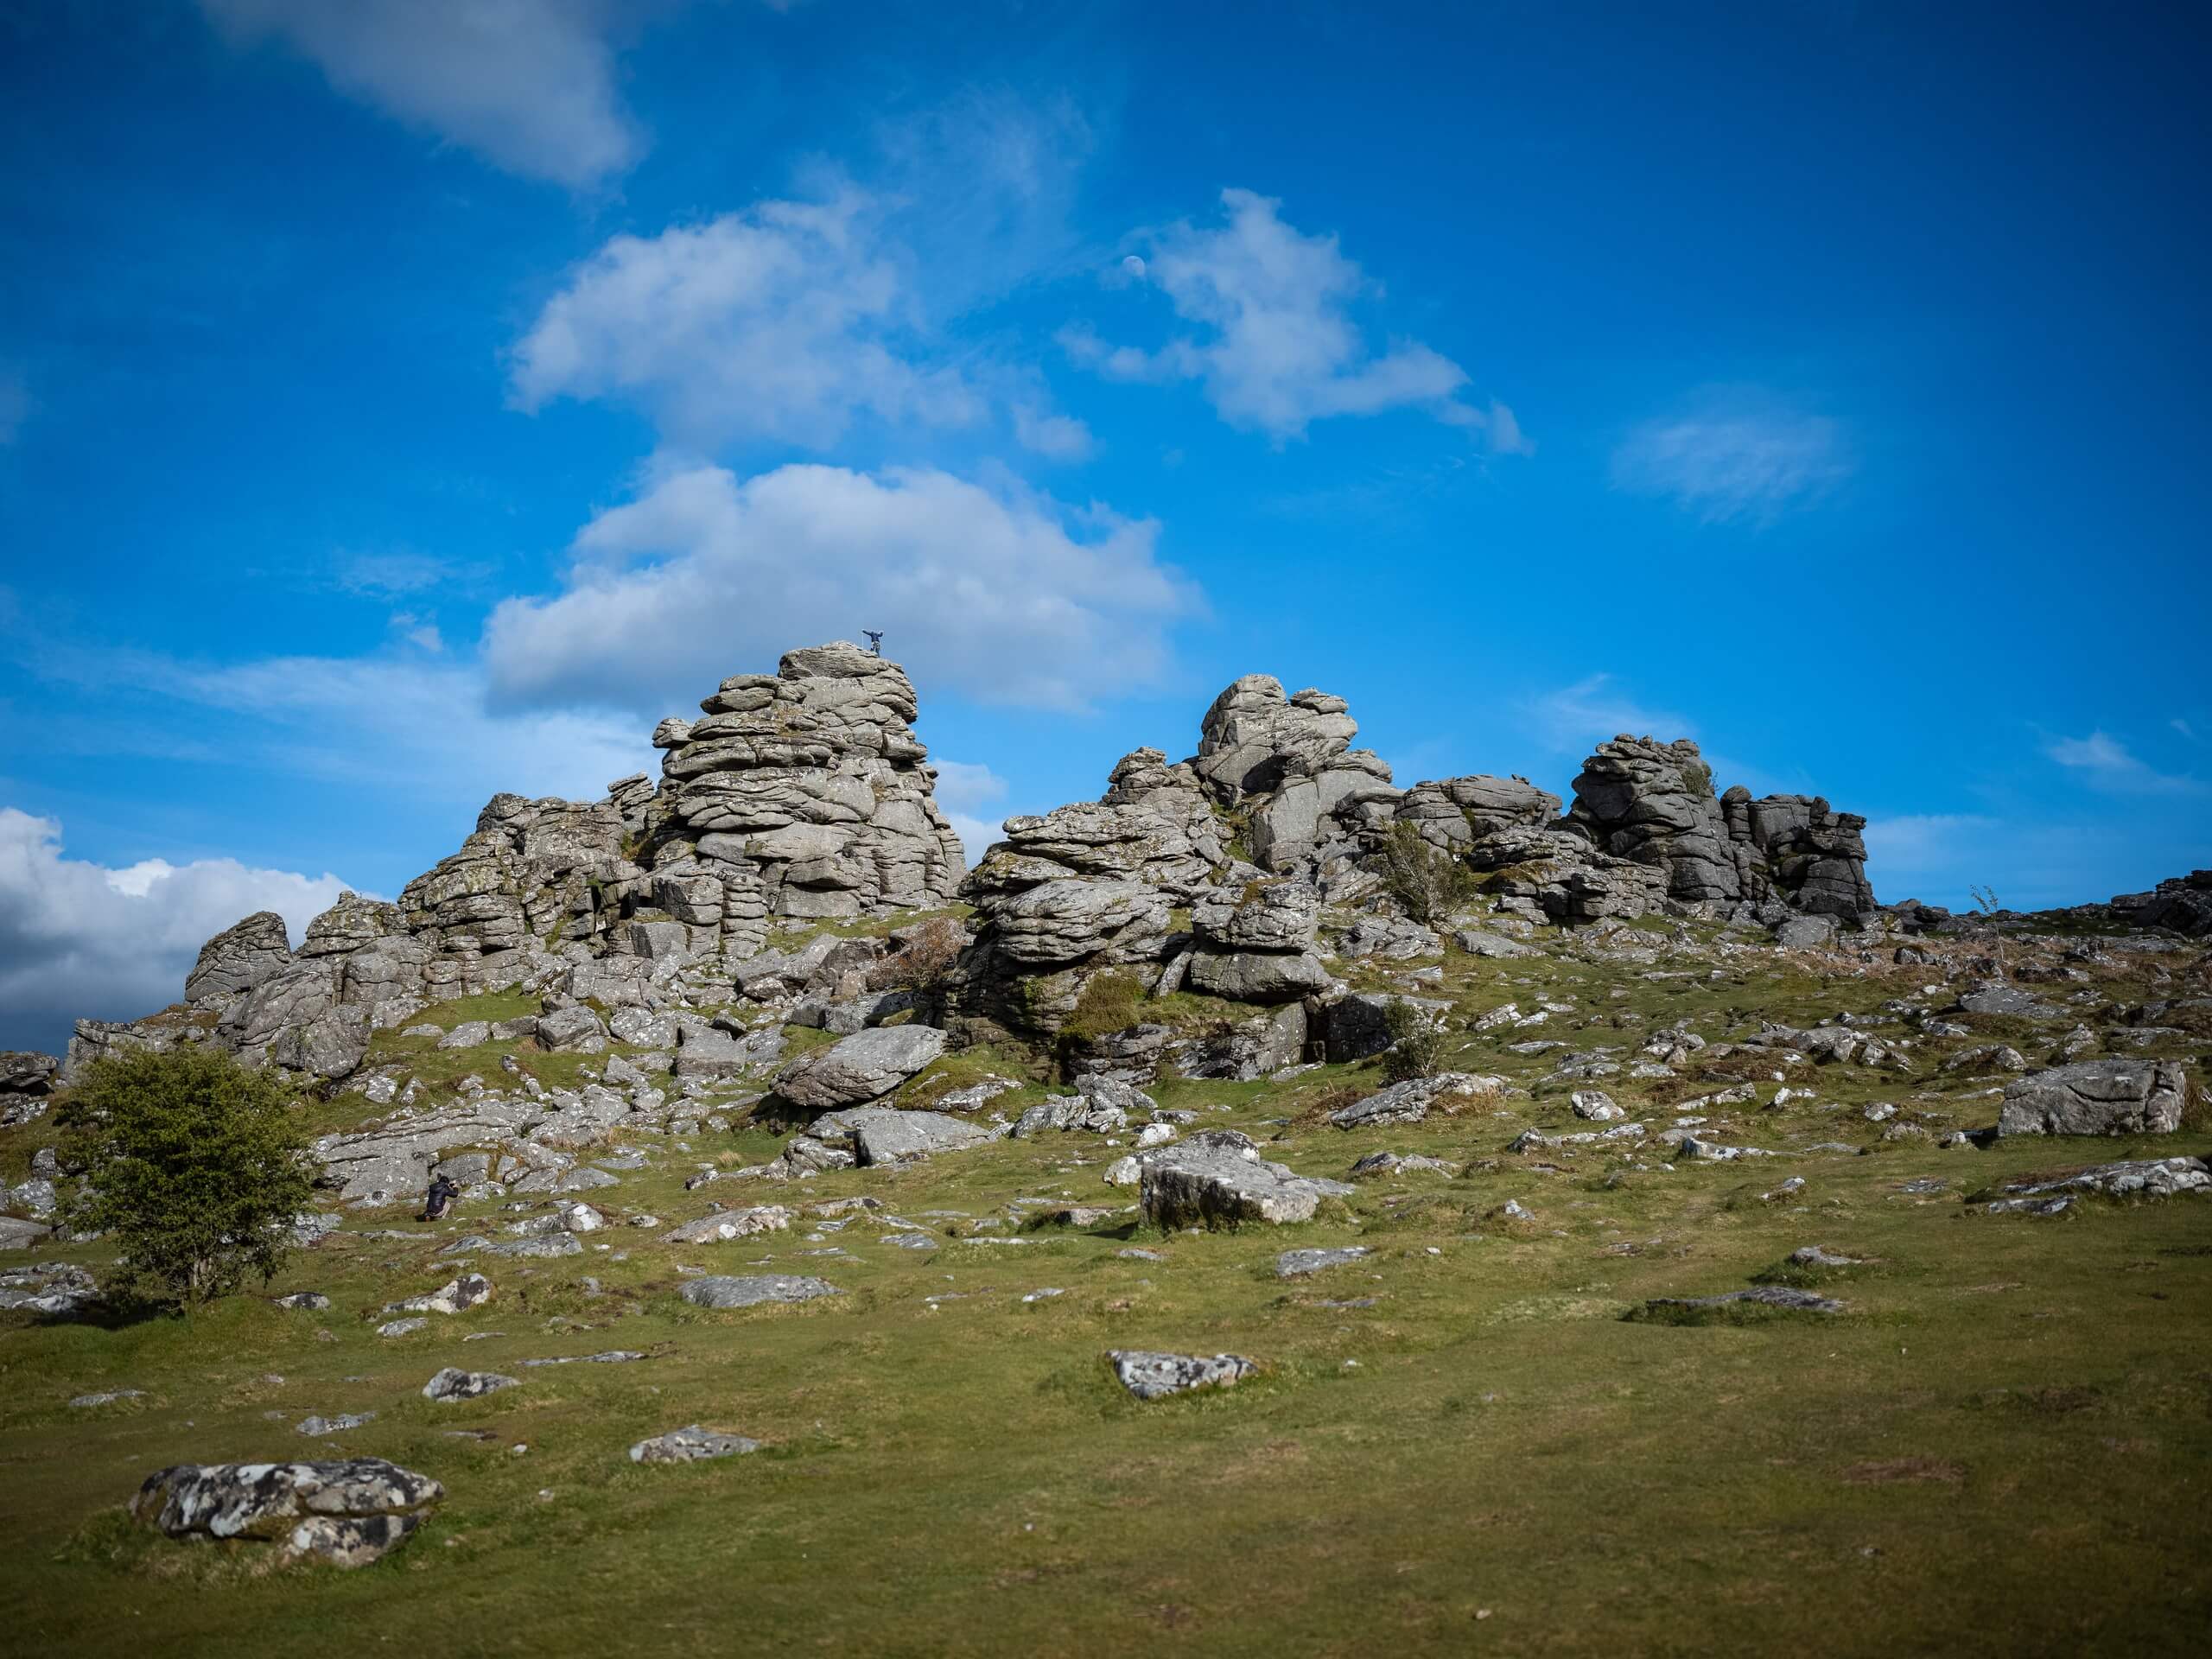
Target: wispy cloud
<point>1574,717</point>
<point>1000,593</point>
<point>2106,763</point>
<point>1275,345</point>
<point>1737,455</point>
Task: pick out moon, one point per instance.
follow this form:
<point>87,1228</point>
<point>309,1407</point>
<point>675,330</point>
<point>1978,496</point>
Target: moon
<point>1133,267</point>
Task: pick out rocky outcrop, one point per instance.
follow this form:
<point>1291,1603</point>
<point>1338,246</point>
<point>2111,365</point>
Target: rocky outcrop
<point>239,958</point>
<point>1652,804</point>
<point>2182,904</point>
<point>800,795</point>
<point>862,1067</point>
<point>1257,945</point>
<point>27,1084</point>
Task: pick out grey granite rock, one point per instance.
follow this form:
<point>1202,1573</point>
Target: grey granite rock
<point>2112,1097</point>
<point>720,1291</point>
<point>1152,1376</point>
<point>346,1513</point>
<point>691,1445</point>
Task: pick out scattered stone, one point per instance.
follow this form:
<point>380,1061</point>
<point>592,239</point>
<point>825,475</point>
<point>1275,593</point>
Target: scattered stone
<point>1776,1296</point>
<point>730,1224</point>
<point>453,1384</point>
<point>1044,1294</point>
<point>862,1067</point>
<point>403,1327</point>
<point>312,1299</point>
<point>1596,1105</point>
<point>86,1402</point>
<point>1413,1100</point>
<point>719,1291</point>
<point>612,1357</point>
<point>691,1445</point>
<point>2150,1178</point>
<point>470,1290</point>
<point>1150,1376</point>
<point>317,1427</point>
<point>1812,1255</point>
<point>1296,1264</point>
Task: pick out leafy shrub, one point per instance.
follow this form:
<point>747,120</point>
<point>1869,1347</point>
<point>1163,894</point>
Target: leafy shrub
<point>193,1163</point>
<point>1417,1042</point>
<point>1428,883</point>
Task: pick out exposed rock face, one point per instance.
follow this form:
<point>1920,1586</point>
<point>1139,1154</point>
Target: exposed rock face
<point>239,958</point>
<point>348,1513</point>
<point>1257,946</point>
<point>2182,903</point>
<point>802,794</point>
<point>1652,804</point>
<point>26,1081</point>
<point>2124,1097</point>
<point>719,1291</point>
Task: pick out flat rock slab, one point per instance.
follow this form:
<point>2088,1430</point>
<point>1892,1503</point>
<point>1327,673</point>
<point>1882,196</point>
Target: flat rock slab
<point>453,1384</point>
<point>718,1290</point>
<point>1296,1264</point>
<point>2007,1001</point>
<point>1775,1296</point>
<point>691,1445</point>
<point>347,1513</point>
<point>1413,1100</point>
<point>2151,1178</point>
<point>730,1224</point>
<point>312,1299</point>
<point>1150,1376</point>
<point>612,1357</point>
<point>864,1066</point>
<point>317,1427</point>
<point>883,1134</point>
<point>2119,1097</point>
<point>1226,1186</point>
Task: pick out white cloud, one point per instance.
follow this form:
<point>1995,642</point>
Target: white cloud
<point>2106,763</point>
<point>82,940</point>
<point>789,320</point>
<point>422,726</point>
<point>1738,455</point>
<point>528,84</point>
<point>2183,727</point>
<point>1575,718</point>
<point>1006,597</point>
<point>965,790</point>
<point>1057,437</point>
<point>781,321</point>
<point>1279,348</point>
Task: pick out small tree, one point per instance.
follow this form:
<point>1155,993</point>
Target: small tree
<point>1428,882</point>
<point>194,1163</point>
<point>1417,1042</point>
<point>1985,902</point>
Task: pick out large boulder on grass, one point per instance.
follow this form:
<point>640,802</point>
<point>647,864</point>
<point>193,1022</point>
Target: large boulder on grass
<point>2112,1097</point>
<point>347,1513</point>
<point>864,1066</point>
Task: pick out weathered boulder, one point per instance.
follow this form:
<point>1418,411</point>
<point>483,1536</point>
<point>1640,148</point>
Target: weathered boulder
<point>1413,1100</point>
<point>346,1513</point>
<point>883,1134</point>
<point>2150,1178</point>
<point>27,1084</point>
<point>455,1383</point>
<point>1151,1375</point>
<point>726,1224</point>
<point>2113,1097</point>
<point>1210,1186</point>
<point>719,1291</point>
<point>862,1067</point>
<point>239,958</point>
<point>691,1445</point>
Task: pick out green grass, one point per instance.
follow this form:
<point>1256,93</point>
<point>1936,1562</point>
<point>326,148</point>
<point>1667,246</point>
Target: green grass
<point>2002,1445</point>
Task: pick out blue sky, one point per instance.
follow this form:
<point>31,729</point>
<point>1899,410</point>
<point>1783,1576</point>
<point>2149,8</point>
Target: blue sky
<point>403,401</point>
